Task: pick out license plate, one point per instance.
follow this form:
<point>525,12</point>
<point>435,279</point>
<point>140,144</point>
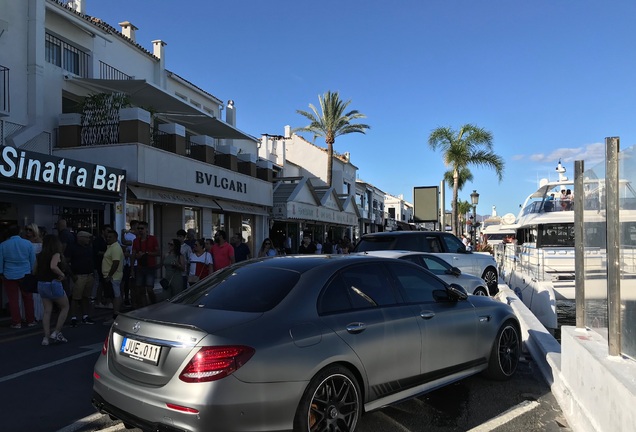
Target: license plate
<point>141,351</point>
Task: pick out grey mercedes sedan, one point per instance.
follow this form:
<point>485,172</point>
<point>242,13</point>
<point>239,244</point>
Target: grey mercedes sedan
<point>304,343</point>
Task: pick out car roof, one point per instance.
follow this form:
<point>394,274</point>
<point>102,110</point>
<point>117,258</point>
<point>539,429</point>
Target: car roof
<point>392,253</point>
<point>403,233</point>
<point>303,263</point>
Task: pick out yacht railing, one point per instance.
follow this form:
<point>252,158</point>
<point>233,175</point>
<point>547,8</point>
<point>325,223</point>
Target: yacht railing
<point>555,264</point>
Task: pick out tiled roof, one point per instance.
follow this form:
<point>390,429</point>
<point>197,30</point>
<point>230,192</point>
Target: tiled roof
<point>283,191</point>
<point>97,22</point>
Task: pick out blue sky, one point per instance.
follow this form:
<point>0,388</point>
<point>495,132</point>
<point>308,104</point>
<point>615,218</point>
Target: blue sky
<point>549,78</point>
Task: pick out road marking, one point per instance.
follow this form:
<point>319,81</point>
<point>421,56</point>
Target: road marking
<point>82,422</point>
<point>506,416</point>
<point>92,350</point>
<point>117,427</point>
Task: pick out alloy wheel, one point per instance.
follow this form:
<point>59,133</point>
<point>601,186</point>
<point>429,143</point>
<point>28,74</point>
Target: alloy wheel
<point>334,405</point>
<point>508,350</point>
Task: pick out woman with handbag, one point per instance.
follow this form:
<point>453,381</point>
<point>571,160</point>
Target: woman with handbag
<point>50,273</point>
<point>200,262</point>
<point>173,264</point>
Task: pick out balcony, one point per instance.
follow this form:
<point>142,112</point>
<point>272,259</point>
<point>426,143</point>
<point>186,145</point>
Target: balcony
<point>4,91</point>
<point>132,127</point>
<point>108,72</point>
<point>64,55</point>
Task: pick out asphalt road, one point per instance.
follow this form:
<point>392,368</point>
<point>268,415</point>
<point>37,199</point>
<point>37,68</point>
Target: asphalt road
<point>46,389</point>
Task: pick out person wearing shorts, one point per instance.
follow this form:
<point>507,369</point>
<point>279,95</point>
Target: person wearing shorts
<point>50,275</point>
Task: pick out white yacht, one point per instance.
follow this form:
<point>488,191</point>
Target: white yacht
<point>539,266</point>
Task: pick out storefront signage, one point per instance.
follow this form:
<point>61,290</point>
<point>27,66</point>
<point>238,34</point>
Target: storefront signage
<point>220,182</point>
<point>296,210</point>
<point>35,167</point>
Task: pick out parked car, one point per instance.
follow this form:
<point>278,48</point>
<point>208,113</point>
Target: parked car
<point>444,245</point>
<point>303,343</point>
<point>440,268</point>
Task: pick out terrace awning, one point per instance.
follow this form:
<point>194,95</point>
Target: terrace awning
<point>168,106</point>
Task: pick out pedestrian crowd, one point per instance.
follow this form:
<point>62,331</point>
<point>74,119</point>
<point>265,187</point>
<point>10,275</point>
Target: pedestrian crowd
<point>50,278</point>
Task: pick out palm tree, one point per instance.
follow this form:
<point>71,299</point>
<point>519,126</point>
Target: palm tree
<point>464,176</point>
<point>463,207</point>
<point>470,145</point>
<point>331,122</point>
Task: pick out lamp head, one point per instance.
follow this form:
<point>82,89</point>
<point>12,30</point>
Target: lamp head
<point>474,197</point>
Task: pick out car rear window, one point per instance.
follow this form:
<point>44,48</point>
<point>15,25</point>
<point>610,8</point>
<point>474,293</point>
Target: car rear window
<point>367,244</point>
<point>250,288</point>
<point>416,242</point>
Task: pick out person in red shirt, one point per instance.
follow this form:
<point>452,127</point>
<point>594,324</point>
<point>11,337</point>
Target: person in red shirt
<point>222,251</point>
<point>145,250</point>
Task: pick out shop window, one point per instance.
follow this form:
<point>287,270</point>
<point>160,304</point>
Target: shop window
<point>134,211</point>
<point>81,219</point>
<point>218,222</point>
<point>192,219</point>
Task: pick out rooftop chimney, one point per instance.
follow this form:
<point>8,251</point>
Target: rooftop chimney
<point>158,48</point>
<point>230,113</point>
<point>128,30</point>
<point>76,5</point>
<point>287,131</point>
<point>160,69</point>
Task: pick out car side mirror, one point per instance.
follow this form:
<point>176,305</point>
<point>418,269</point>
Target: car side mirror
<point>457,292</point>
<point>454,271</point>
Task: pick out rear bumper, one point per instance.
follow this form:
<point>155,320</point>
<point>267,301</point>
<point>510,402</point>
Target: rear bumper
<point>104,407</point>
<point>228,405</point>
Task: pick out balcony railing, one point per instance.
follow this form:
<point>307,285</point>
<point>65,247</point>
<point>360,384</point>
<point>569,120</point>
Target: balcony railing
<point>4,90</point>
<point>106,71</point>
<point>159,139</point>
<point>66,56</point>
<point>100,134</point>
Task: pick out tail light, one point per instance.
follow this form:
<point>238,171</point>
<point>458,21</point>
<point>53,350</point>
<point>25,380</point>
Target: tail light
<point>105,346</point>
<point>214,363</point>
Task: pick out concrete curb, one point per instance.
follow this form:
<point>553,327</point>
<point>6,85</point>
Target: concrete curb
<point>544,349</point>
<point>537,340</point>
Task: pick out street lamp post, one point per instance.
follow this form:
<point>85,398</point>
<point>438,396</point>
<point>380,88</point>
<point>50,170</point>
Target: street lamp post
<point>474,198</point>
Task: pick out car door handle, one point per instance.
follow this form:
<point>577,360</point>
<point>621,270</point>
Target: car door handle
<point>357,327</point>
<point>427,314</point>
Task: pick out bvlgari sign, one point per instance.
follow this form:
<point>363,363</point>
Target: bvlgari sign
<point>27,166</point>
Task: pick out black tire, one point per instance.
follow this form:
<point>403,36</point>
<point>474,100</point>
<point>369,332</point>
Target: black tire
<point>491,278</point>
<point>481,291</point>
<point>331,402</point>
<point>504,356</point>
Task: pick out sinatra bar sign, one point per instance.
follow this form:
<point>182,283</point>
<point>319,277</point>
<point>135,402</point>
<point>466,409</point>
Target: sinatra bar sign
<point>35,167</point>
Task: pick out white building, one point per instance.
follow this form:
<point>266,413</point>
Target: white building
<point>303,203</point>
<point>94,99</point>
<point>398,213</point>
<point>370,201</point>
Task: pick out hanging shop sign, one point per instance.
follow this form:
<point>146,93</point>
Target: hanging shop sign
<point>39,168</point>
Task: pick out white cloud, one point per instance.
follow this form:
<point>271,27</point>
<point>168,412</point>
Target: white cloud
<point>590,153</point>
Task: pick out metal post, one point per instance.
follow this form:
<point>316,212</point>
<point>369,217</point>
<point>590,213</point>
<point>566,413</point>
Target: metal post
<point>579,245</point>
<point>612,147</point>
<point>473,229</point>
